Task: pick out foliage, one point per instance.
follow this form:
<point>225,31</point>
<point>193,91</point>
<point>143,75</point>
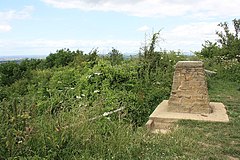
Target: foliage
<point>210,51</point>
<point>55,108</point>
<point>54,90</point>
<point>229,71</point>
<point>59,59</point>
<point>223,55</point>
<point>230,42</point>
<point>115,57</point>
<point>10,72</point>
<point>31,64</point>
<point>226,47</point>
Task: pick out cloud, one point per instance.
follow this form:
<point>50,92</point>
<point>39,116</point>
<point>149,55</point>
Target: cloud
<point>13,14</point>
<point>45,46</point>
<point>155,8</point>
<point>143,29</point>
<point>190,36</point>
<point>73,43</point>
<point>136,7</point>
<point>5,28</point>
<point>7,16</point>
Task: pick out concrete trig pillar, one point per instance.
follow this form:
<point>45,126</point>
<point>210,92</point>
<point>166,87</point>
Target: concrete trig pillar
<point>189,90</point>
<point>188,100</point>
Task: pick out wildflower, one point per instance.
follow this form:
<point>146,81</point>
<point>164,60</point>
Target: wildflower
<point>96,91</point>
<point>83,95</point>
<point>72,88</point>
<point>161,57</point>
<point>105,114</point>
<point>78,97</point>
<point>98,73</point>
<point>158,83</point>
<point>89,76</point>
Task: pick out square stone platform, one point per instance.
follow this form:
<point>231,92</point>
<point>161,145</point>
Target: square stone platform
<point>162,119</point>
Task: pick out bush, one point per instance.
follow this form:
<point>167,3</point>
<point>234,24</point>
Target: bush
<point>230,72</point>
<point>47,113</point>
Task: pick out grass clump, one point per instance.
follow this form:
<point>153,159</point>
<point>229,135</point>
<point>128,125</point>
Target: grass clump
<point>49,109</point>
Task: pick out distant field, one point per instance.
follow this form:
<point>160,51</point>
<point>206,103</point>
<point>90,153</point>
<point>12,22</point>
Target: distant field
<point>4,61</point>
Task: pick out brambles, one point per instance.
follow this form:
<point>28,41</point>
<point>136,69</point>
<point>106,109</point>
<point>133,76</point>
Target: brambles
<point>68,84</point>
<point>51,108</point>
<point>223,55</point>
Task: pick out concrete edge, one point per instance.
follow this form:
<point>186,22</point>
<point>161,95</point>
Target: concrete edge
<point>162,120</point>
<point>219,114</point>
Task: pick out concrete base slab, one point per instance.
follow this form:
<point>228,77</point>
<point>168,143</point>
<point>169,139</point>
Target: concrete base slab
<point>162,119</point>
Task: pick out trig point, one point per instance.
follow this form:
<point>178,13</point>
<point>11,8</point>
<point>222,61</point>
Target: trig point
<point>189,90</point>
<point>188,100</point>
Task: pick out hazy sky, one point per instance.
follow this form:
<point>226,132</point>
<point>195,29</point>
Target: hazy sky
<point>39,27</point>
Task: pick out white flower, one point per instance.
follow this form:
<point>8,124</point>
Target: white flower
<point>161,57</point>
<point>78,97</point>
<point>83,95</point>
<point>98,73</point>
<point>89,76</point>
<point>72,88</point>
<point>105,114</point>
<point>96,91</point>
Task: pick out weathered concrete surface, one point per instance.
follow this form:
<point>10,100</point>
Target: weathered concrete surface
<point>163,119</point>
<point>189,90</point>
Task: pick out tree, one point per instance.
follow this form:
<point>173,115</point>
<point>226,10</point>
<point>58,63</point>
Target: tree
<point>148,50</point>
<point>30,64</point>
<point>210,51</point>
<point>149,58</point>
<point>115,57</point>
<point>230,42</point>
<point>61,58</point>
<point>10,72</point>
<point>92,58</point>
<point>227,46</point>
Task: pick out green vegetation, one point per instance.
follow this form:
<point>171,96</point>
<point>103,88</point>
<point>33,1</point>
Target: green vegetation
<point>223,55</point>
<point>47,107</point>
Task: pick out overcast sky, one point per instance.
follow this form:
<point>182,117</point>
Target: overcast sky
<point>40,27</point>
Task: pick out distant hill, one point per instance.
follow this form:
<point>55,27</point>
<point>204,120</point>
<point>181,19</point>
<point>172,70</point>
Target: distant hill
<point>18,59</point>
<point>5,61</point>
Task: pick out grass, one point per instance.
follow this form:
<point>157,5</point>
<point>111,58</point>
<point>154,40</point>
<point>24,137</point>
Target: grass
<point>217,140</point>
<point>191,140</point>
<point>107,139</point>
